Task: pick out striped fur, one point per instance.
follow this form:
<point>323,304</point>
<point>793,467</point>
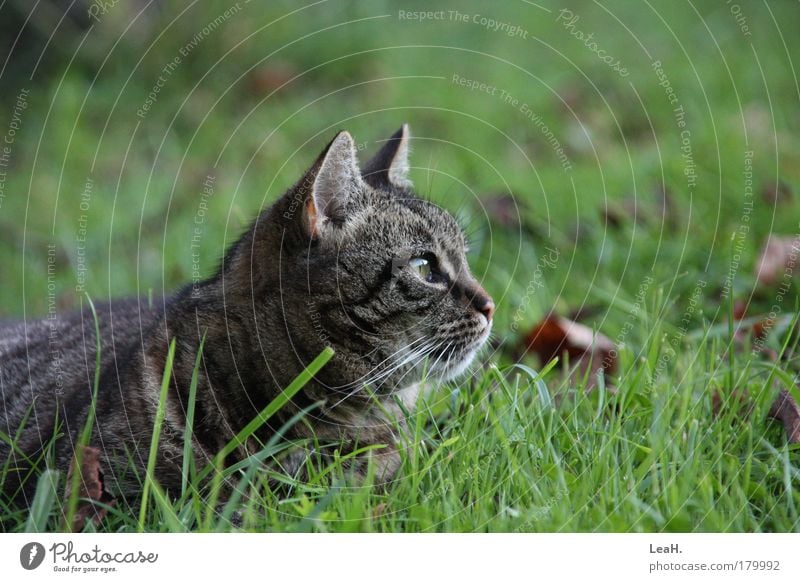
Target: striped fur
<point>329,264</point>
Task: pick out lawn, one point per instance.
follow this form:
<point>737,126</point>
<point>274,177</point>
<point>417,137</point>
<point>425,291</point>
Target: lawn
<point>617,163</point>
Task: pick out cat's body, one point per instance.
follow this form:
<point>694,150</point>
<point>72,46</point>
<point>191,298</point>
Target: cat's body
<point>346,259</point>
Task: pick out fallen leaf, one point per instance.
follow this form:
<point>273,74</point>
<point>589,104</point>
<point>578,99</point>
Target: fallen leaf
<point>267,78</point>
<point>739,398</point>
<point>778,258</point>
<point>786,410</point>
<point>572,98</point>
<point>761,327</point>
<point>378,510</point>
<point>588,351</point>
<point>655,208</point>
<point>739,310</point>
<point>503,209</point>
<point>615,215</point>
<point>90,488</point>
<point>777,193</point>
<point>586,312</point>
<point>756,328</point>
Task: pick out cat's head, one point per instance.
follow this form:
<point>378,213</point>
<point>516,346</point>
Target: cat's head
<point>371,270</point>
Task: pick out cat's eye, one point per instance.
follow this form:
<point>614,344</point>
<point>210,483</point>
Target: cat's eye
<point>427,268</point>
<point>422,266</point>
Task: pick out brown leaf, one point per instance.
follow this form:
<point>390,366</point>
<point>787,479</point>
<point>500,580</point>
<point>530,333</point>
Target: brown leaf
<point>572,98</point>
<point>615,215</point>
<point>777,193</point>
<point>778,258</point>
<point>90,488</point>
<point>585,312</point>
<point>786,410</point>
<point>586,350</point>
<point>758,329</point>
<point>378,510</point>
<point>503,210</point>
<point>739,398</point>
<point>654,207</point>
<point>761,327</point>
<point>752,328</point>
<point>739,310</point>
<point>267,78</point>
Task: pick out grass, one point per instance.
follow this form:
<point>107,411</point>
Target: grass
<point>506,449</point>
<point>499,456</point>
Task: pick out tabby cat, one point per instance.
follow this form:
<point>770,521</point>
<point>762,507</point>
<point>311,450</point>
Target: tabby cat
<point>348,258</point>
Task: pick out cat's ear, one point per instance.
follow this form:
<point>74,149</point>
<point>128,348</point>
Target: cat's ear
<point>336,179</point>
<point>390,165</point>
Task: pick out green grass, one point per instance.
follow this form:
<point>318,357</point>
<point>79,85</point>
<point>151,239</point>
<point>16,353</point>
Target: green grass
<point>499,455</point>
<point>499,450</point>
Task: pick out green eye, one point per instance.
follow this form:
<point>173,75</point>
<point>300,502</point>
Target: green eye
<point>421,266</point>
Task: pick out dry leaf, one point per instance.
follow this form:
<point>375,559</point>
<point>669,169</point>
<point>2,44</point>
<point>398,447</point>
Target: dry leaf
<point>787,411</point>
<point>777,193</point>
<point>267,78</point>
<point>778,258</point>
<point>740,398</point>
<point>378,510</point>
<point>503,210</point>
<point>585,312</point>
<point>654,207</point>
<point>756,330</point>
<point>739,310</point>
<point>586,350</point>
<point>615,215</point>
<point>90,487</point>
<point>572,98</point>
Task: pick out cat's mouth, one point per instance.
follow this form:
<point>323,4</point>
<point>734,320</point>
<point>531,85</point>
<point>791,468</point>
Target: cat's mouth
<point>441,360</point>
<point>458,358</point>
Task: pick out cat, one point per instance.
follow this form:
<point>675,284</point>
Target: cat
<point>347,258</point>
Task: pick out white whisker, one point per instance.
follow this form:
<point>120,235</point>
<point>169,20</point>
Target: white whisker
<point>417,354</point>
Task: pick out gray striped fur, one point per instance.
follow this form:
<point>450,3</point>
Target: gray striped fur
<point>327,265</point>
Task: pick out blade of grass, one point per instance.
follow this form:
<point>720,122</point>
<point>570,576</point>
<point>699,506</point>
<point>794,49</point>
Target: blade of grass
<point>253,464</point>
<point>159,421</point>
<point>43,501</point>
<point>188,458</point>
<point>86,433</point>
<point>731,350</point>
<point>294,387</point>
<point>538,380</point>
<point>170,518</point>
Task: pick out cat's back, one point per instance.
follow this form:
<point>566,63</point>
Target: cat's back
<point>44,362</point>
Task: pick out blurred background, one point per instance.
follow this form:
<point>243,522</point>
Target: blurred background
<point>596,152</point>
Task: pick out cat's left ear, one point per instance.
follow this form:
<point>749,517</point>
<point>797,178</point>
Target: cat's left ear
<point>336,179</point>
<point>390,165</point>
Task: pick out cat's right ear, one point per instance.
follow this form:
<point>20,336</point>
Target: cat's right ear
<point>389,167</point>
<point>334,179</point>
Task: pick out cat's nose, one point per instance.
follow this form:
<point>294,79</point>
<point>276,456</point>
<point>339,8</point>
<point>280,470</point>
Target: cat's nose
<point>487,309</point>
<point>483,304</point>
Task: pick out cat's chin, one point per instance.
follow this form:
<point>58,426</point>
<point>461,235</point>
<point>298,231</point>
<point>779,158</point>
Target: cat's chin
<point>454,369</point>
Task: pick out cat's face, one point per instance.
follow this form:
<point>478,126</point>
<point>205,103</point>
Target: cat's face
<point>385,276</point>
<point>404,283</point>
